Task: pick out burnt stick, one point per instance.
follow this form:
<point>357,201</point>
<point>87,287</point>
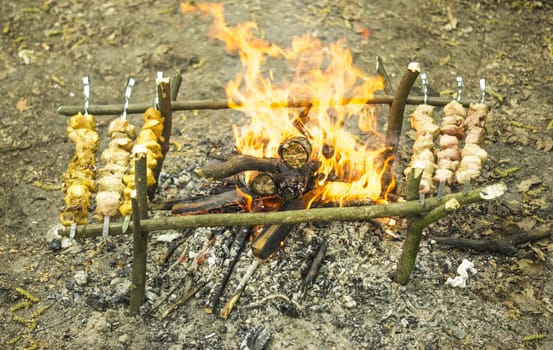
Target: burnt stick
<point>220,200</point>
<point>315,266</point>
<point>271,237</point>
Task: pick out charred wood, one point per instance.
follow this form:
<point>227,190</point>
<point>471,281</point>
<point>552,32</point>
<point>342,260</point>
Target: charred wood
<point>271,237</point>
<point>314,269</point>
<point>237,164</point>
<point>506,246</point>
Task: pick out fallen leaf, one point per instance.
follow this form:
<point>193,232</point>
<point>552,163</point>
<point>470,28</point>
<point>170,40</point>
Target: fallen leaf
<point>545,143</point>
<point>529,267</point>
<point>22,105</point>
<point>527,223</point>
<point>525,185</point>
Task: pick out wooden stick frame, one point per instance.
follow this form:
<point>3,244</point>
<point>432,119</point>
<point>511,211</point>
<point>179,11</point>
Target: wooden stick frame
<point>420,216</point>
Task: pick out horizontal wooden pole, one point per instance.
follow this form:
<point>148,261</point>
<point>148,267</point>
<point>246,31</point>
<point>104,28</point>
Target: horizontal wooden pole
<point>116,109</point>
<point>298,216</point>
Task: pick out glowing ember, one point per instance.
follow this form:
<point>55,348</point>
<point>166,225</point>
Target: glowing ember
<point>350,168</point>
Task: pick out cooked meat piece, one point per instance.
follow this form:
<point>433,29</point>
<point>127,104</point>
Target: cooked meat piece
<point>448,141</point>
<point>470,168</point>
<point>453,120</point>
<point>424,141</point>
<point>454,108</point>
<point>107,203</point>
<point>453,130</point>
<point>471,149</point>
<point>449,153</point>
<point>122,126</point>
<point>445,175</point>
<point>476,136</point>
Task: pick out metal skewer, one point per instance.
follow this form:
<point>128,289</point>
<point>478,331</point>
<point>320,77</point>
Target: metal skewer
<point>128,92</point>
<point>86,93</point>
<point>424,79</point>
<point>459,88</point>
<point>441,189</point>
<point>156,100</point>
<point>482,90</point>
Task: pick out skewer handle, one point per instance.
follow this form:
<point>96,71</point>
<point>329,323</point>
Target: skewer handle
<point>482,90</point>
<point>459,88</point>
<point>156,100</point>
<point>128,92</point>
<point>86,93</point>
<point>424,79</point>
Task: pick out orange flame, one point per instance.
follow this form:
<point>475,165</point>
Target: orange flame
<point>326,77</point>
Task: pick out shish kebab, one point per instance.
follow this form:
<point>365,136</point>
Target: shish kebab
<point>449,155</point>
<point>79,177</point>
<point>148,142</point>
<point>423,149</point>
<point>473,156</point>
<point>116,158</point>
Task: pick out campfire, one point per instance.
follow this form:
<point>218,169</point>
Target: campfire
<point>299,157</point>
<point>310,151</point>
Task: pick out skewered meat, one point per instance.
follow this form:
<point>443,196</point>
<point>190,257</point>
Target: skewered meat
<point>455,108</point>
<point>149,137</point>
<point>448,141</point>
<point>452,153</point>
<point>423,148</point>
<point>473,156</point>
<point>79,177</point>
<point>116,159</point>
<point>453,130</point>
<point>476,136</point>
<point>422,121</point>
<point>475,150</point>
<point>452,133</point>
<point>469,169</point>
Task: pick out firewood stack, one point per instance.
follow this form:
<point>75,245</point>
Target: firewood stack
<point>269,184</point>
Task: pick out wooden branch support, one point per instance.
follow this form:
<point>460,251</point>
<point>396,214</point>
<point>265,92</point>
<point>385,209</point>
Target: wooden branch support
<point>115,109</point>
<point>397,108</point>
<point>164,93</point>
<point>404,209</point>
<point>140,236</point>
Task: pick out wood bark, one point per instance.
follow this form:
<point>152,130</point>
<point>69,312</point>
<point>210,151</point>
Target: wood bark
<point>404,209</point>
<point>116,109</point>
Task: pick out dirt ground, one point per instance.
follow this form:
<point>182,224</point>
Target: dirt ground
<point>48,46</point>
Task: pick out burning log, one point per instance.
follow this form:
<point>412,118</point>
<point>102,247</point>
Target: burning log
<point>237,164</point>
<point>271,237</point>
<point>302,119</point>
<point>295,152</point>
<point>408,208</point>
<point>218,201</point>
<point>265,184</point>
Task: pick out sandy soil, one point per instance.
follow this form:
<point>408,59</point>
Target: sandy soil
<point>48,46</point>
